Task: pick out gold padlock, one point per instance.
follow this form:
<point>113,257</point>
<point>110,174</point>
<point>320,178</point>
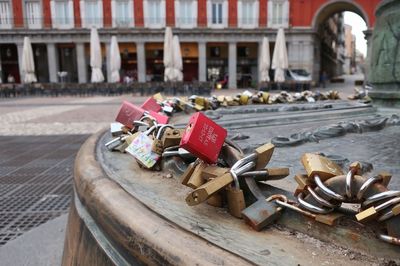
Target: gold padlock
<point>213,171</point>
<point>264,154</point>
<point>216,200</point>
<point>367,215</point>
<point>396,210</point>
<point>195,179</point>
<point>315,164</point>
<point>236,202</point>
<point>157,146</point>
<point>172,137</point>
<point>221,98</point>
<point>244,99</point>
<point>329,218</point>
<point>386,177</point>
<point>265,97</point>
<point>205,191</point>
<point>158,97</point>
<point>302,181</point>
<point>188,172</point>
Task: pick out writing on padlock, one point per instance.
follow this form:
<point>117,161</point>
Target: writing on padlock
<point>129,113</point>
<point>203,138</point>
<point>141,149</point>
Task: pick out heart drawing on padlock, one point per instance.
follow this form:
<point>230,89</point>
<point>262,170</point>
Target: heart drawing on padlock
<point>141,149</point>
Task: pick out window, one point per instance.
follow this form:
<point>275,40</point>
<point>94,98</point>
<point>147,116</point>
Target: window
<point>92,13</point>
<point>278,13</point>
<point>62,13</point>
<point>186,13</point>
<point>33,14</point>
<point>217,13</point>
<point>122,13</point>
<point>155,13</point>
<point>248,13</point>
<point>5,15</point>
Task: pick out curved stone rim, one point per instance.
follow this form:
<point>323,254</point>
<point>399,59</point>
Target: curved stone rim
<point>116,213</point>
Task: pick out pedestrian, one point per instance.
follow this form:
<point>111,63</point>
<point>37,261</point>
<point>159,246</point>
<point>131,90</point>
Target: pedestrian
<point>324,78</point>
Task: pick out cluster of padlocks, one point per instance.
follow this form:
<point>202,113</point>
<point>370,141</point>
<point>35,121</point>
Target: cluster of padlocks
<point>216,168</point>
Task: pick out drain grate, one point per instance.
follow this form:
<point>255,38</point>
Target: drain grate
<point>35,181</point>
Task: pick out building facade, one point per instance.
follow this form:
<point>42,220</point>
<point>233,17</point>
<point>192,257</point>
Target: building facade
<point>218,37</point>
<point>350,54</point>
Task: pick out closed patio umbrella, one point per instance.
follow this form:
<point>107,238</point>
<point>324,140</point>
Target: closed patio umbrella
<point>280,58</point>
<point>115,60</point>
<point>95,57</point>
<point>168,59</point>
<point>265,61</point>
<point>177,56</point>
<point>28,65</point>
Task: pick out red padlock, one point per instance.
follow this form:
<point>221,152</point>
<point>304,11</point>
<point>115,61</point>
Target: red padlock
<point>203,138</point>
<point>129,113</point>
<point>151,105</point>
<point>161,119</point>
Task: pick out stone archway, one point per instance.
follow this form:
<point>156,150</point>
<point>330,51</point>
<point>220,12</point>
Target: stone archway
<point>334,6</point>
<point>326,65</point>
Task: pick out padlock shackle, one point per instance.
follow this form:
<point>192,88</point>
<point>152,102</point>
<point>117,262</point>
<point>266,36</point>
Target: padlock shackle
<point>380,196</point>
<point>366,185</point>
<point>235,172</point>
<point>244,161</point>
<point>162,129</point>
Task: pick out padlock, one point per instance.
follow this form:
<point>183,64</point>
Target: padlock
<point>386,177</point>
<point>116,129</point>
<point>302,181</point>
<point>195,179</point>
<point>264,154</point>
<point>203,138</point>
<point>244,99</point>
<point>181,152</point>
<point>112,144</point>
<point>189,171</point>
<point>235,197</point>
<point>129,113</point>
<point>329,218</point>
<point>213,171</point>
<point>315,164</point>
<point>151,105</point>
<point>221,98</point>
<point>157,146</point>
<point>161,119</point>
<point>265,97</point>
<point>205,191</point>
<point>396,210</point>
<point>200,101</point>
<point>172,137</point>
<point>141,149</point>
<point>261,214</point>
<point>216,200</point>
<point>355,167</point>
<point>158,97</point>
<point>367,215</point>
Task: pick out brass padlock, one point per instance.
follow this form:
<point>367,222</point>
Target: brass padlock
<point>396,210</point>
<point>195,179</point>
<point>157,146</point>
<point>367,215</point>
<point>265,97</point>
<point>244,99</point>
<point>261,214</point>
<point>386,177</point>
<point>315,164</point>
<point>235,196</point>
<point>220,98</point>
<point>158,97</point>
<point>302,181</point>
<point>213,171</point>
<point>172,137</point>
<point>264,154</point>
<point>188,172</point>
<point>216,200</point>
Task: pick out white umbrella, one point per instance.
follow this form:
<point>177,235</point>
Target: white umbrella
<point>265,61</point>
<point>95,57</point>
<point>115,60</point>
<point>168,55</point>
<point>178,64</point>
<point>28,65</point>
<point>280,58</point>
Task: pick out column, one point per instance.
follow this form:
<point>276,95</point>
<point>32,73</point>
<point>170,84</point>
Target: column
<point>258,60</point>
<point>81,62</point>
<point>141,61</point>
<point>108,62</point>
<point>20,48</point>
<point>232,65</point>
<point>202,46</point>
<point>52,60</point>
<point>2,79</point>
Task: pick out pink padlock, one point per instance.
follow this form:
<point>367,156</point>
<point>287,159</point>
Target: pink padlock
<point>151,105</point>
<point>129,113</point>
<point>161,119</point>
